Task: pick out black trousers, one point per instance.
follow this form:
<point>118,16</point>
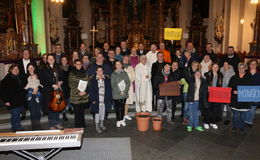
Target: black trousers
<point>120,108</point>
<point>174,103</point>
<point>211,114</point>
<point>79,114</point>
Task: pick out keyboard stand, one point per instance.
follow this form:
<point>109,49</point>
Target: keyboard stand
<point>29,156</point>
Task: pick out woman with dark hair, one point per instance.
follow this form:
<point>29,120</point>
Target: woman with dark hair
<point>51,79</point>
<point>118,55</point>
<point>78,94</point>
<point>120,83</point>
<point>43,61</point>
<point>239,108</point>
<point>100,95</point>
<point>255,77</point>
<point>228,71</point>
<point>162,101</point>
<point>33,96</point>
<point>13,97</point>
<point>65,69</point>
<point>212,111</point>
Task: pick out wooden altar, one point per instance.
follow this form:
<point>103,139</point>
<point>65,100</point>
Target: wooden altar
<point>16,31</point>
<point>133,21</point>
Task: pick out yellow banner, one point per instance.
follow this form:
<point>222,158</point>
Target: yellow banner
<point>172,33</point>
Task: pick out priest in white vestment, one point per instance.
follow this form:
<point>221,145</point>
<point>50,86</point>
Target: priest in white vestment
<point>143,86</point>
<point>152,55</point>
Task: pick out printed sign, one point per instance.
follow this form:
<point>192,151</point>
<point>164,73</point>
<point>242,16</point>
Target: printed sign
<point>172,33</point>
<point>248,93</point>
<point>219,94</point>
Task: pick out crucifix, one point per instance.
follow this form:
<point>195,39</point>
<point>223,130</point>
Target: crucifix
<point>93,30</point>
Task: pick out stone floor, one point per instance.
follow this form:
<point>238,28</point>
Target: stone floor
<point>175,143</point>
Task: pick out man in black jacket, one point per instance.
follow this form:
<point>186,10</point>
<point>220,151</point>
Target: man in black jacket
<point>141,51</point>
<point>22,65</point>
<point>210,52</point>
<point>156,70</point>
<point>83,51</point>
<point>58,54</point>
<point>231,57</point>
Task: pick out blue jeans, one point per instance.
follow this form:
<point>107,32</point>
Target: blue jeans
<point>35,109</point>
<point>250,115</point>
<point>193,108</point>
<point>54,118</point>
<point>30,91</point>
<point>15,118</point>
<point>186,106</point>
<point>238,119</point>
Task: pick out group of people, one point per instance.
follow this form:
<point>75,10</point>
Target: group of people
<point>119,77</point>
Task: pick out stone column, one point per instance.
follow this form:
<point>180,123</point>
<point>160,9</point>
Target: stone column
<point>111,22</point>
<point>161,19</point>
<point>30,21</point>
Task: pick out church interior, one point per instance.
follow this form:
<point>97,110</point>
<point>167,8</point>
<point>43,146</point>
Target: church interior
<point>40,25</point>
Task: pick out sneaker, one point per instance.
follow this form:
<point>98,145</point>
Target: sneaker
<point>37,100</point>
<point>126,117</point>
<point>249,125</point>
<point>98,128</point>
<point>226,122</point>
<point>214,126</point>
<point>206,126</point>
<point>118,123</point>
<point>29,98</point>
<point>189,129</point>
<point>123,123</point>
<point>199,128</point>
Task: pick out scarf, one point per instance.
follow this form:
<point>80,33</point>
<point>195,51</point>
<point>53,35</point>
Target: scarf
<point>79,73</point>
<point>119,71</point>
<point>65,68</point>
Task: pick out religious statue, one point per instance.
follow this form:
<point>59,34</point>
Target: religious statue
<point>168,20</point>
<point>10,41</point>
<point>101,26</point>
<point>219,29</point>
<point>253,26</point>
<point>54,29</point>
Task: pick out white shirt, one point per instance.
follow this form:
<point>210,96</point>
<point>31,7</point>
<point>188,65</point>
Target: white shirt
<point>151,58</point>
<point>25,63</point>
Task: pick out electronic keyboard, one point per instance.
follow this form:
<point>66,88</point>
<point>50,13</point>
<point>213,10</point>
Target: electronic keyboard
<point>47,139</point>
